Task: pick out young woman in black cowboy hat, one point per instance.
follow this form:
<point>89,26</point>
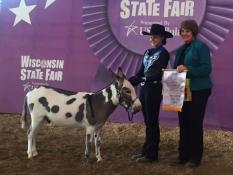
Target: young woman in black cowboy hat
<point>149,77</point>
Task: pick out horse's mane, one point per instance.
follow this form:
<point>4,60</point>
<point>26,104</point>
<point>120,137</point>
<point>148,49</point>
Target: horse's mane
<point>113,82</point>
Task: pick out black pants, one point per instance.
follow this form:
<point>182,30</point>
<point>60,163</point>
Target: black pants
<point>150,97</point>
<point>191,126</point>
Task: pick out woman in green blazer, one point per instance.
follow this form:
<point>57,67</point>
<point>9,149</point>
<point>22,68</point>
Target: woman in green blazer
<point>194,57</point>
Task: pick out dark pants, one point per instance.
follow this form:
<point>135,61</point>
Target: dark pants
<point>150,97</point>
<point>191,126</point>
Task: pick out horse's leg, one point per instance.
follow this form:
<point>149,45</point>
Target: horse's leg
<point>29,139</point>
<point>32,152</point>
<point>97,145</point>
<point>89,140</point>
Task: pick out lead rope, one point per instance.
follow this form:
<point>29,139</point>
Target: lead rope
<point>130,117</point>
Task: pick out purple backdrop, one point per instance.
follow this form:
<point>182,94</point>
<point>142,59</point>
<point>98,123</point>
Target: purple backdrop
<point>71,44</point>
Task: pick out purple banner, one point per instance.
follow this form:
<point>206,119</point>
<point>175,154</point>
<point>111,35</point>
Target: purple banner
<point>71,44</point>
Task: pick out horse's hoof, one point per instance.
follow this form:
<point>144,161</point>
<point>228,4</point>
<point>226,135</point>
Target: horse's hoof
<point>34,154</point>
<point>30,156</point>
<point>87,156</point>
<point>99,160</point>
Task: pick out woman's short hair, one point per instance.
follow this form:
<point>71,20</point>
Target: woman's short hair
<point>190,25</point>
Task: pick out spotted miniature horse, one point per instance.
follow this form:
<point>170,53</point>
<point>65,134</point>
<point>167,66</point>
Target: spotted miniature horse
<point>81,109</point>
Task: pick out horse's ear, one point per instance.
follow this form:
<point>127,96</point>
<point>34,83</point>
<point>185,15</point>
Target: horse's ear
<point>110,70</point>
<point>120,73</point>
<point>118,76</point>
<point>113,73</point>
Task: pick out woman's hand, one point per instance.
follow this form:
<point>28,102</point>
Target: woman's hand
<point>181,68</point>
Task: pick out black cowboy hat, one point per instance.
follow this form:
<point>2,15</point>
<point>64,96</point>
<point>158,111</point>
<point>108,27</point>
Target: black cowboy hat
<point>157,29</point>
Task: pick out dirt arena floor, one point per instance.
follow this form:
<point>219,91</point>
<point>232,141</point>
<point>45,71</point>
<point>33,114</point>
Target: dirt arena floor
<point>61,151</point>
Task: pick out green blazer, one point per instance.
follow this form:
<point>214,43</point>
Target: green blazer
<point>197,60</point>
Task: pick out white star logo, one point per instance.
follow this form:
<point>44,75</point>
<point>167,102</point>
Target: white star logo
<point>48,3</point>
<point>131,28</point>
<point>22,12</point>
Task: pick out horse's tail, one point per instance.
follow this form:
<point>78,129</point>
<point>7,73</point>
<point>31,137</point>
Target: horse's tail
<point>24,114</point>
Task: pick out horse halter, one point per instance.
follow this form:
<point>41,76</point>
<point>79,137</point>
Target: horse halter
<point>125,99</point>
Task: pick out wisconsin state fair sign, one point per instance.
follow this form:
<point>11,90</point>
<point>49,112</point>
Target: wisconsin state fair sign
<point>71,44</point>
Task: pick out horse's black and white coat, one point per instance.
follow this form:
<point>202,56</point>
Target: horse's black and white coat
<point>89,110</point>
